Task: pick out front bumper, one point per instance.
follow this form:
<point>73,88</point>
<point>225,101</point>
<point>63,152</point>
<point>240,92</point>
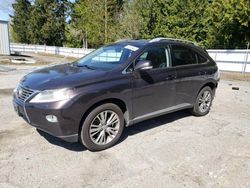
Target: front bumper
<point>35,114</point>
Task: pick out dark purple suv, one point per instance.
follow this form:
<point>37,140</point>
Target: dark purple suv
<point>92,99</point>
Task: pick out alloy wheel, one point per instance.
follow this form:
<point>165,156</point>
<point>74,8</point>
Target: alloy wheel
<point>104,127</point>
<point>205,101</point>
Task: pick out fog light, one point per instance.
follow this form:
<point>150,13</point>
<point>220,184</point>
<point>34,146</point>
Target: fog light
<point>51,118</point>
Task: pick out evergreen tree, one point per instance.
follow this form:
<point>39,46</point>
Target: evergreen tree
<point>48,19</point>
<point>228,24</point>
<point>20,21</point>
<point>94,22</point>
<point>183,19</point>
<point>130,22</point>
<point>213,24</point>
<point>174,18</point>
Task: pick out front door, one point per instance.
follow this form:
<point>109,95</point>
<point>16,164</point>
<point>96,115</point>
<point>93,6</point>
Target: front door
<point>153,89</point>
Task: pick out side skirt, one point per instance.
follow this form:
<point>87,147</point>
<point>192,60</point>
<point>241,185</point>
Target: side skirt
<point>159,113</point>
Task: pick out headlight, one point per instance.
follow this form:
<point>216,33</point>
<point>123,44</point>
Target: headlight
<point>52,95</point>
<point>15,90</point>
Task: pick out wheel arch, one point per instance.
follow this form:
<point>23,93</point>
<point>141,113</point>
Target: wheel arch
<point>211,84</point>
<point>120,103</point>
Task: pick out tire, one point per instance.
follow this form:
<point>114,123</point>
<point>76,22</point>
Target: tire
<point>203,102</point>
<point>102,128</point>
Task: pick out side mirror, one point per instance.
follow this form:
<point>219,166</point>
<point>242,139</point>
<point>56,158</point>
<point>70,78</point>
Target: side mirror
<point>143,65</point>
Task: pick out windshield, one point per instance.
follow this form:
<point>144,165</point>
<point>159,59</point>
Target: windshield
<point>107,57</point>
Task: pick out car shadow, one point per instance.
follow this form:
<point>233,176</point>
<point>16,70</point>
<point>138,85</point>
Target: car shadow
<point>76,146</point>
<point>153,123</point>
<point>128,131</point>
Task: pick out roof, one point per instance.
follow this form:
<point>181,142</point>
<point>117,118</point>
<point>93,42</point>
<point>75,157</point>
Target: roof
<point>137,43</point>
<point>4,21</point>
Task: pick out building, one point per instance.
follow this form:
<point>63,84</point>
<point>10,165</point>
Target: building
<point>4,38</point>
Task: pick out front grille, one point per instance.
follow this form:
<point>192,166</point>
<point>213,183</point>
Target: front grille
<point>24,93</point>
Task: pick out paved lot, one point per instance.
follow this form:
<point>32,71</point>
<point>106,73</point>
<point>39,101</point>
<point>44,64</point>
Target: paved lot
<point>175,150</point>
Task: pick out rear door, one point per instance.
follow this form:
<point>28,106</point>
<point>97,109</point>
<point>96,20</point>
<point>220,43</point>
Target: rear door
<point>191,72</point>
<point>153,89</point>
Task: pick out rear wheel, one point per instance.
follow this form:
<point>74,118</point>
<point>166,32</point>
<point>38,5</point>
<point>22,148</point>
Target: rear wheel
<point>103,127</point>
<point>203,102</point>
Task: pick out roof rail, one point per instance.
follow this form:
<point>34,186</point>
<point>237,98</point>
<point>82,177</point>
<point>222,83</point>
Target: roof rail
<point>122,40</point>
<point>173,39</point>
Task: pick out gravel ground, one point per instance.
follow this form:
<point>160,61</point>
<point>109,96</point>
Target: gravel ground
<point>10,73</point>
<point>38,58</point>
<point>175,150</point>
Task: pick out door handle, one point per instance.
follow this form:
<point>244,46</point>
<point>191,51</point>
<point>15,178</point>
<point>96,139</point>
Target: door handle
<point>170,77</point>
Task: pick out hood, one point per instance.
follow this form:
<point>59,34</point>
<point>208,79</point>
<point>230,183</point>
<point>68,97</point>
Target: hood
<point>61,76</point>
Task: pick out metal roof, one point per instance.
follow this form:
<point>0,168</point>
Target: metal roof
<point>4,21</point>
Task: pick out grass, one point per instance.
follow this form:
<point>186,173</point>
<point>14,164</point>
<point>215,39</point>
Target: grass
<point>8,62</point>
<point>59,56</point>
<point>5,61</point>
<point>235,76</point>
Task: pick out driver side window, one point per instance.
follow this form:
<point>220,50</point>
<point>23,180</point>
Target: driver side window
<point>159,56</point>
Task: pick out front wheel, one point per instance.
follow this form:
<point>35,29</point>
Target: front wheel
<point>103,127</point>
<point>203,102</point>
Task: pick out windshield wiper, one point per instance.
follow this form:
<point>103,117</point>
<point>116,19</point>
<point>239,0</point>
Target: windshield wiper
<point>86,66</point>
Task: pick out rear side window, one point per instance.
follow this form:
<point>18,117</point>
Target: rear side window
<point>183,56</point>
<point>201,59</point>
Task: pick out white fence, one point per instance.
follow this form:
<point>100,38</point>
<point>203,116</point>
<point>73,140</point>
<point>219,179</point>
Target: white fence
<point>227,60</point>
<point>70,52</point>
<point>232,60</point>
